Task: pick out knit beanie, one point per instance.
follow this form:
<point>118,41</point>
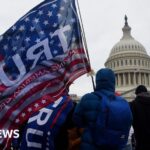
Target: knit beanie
<point>140,89</point>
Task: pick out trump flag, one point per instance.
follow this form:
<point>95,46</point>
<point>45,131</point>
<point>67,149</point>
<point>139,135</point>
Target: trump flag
<point>40,56</point>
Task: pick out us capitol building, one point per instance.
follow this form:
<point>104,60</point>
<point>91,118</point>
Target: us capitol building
<point>130,62</point>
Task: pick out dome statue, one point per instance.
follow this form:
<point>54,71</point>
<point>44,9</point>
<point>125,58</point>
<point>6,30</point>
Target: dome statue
<point>130,62</point>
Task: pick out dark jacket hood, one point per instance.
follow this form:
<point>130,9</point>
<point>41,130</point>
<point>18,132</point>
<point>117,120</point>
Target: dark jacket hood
<point>105,80</point>
<point>143,98</point>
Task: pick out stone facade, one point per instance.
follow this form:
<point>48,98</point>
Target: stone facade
<point>130,62</point>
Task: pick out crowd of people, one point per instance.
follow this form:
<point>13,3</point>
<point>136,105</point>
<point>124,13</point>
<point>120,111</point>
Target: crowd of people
<point>104,120</point>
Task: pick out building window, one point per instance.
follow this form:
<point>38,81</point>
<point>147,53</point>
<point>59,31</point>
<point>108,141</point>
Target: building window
<point>143,62</point>
<point>134,62</point>
<point>129,46</point>
<point>117,63</point>
<point>130,62</point>
<point>139,62</point>
<point>126,62</point>
<point>121,62</point>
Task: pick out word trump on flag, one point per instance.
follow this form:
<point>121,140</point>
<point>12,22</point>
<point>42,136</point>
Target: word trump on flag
<point>42,48</point>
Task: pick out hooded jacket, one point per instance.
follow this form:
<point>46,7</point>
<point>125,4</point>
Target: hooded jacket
<point>140,108</point>
<point>87,110</point>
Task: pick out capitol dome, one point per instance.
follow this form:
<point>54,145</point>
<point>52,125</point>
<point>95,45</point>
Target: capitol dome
<point>127,44</point>
<point>130,62</point>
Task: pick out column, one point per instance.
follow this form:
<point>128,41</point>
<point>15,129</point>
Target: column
<point>119,82</point>
<point>134,79</point>
<point>124,80</point>
<point>145,79</point>
<point>149,78</point>
<point>129,78</point>
<point>116,79</point>
<point>140,78</point>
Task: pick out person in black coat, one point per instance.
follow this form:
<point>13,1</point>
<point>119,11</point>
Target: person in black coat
<point>140,108</point>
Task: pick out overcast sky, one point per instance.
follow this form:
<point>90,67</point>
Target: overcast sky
<point>102,20</point>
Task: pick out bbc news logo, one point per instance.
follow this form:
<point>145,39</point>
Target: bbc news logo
<point>9,134</point>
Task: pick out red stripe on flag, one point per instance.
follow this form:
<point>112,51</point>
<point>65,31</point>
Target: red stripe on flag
<point>38,88</point>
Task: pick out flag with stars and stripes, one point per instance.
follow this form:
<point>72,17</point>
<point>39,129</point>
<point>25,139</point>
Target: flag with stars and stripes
<point>40,56</point>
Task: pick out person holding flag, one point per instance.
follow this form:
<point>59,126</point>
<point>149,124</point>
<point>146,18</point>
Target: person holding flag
<point>40,56</point>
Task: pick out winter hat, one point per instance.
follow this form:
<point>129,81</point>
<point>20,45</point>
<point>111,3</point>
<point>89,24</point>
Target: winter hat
<point>105,79</point>
<point>140,89</point>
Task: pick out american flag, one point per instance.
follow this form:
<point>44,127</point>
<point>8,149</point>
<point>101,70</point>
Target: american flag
<point>40,56</point>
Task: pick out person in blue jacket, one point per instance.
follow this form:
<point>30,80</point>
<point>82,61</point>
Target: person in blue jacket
<point>87,110</point>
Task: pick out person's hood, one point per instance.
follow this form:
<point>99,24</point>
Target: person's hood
<point>105,80</point>
<point>143,98</point>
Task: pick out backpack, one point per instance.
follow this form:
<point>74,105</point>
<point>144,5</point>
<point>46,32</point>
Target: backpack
<point>113,121</point>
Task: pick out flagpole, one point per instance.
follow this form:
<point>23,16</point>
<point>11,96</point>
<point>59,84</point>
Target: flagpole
<point>85,43</point>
